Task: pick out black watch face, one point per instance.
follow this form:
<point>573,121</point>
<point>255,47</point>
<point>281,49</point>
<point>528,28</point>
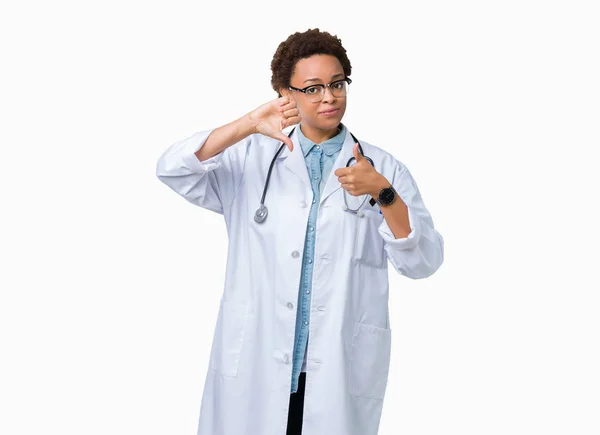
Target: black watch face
<point>387,196</point>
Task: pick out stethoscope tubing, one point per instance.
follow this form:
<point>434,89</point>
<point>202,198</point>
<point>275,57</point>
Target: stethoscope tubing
<point>262,212</point>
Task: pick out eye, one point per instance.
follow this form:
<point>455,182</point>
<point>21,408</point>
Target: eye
<point>312,90</point>
<point>338,85</point>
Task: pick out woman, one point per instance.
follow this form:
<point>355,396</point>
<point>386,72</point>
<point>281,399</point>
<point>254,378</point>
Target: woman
<point>303,261</point>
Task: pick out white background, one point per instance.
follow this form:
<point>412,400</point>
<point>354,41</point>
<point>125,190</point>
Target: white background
<point>110,282</point>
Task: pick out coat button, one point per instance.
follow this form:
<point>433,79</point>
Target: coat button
<point>290,305</point>
<point>303,204</point>
<point>295,254</point>
<point>286,358</point>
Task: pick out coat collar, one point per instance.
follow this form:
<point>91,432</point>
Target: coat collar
<point>329,147</point>
<point>294,161</point>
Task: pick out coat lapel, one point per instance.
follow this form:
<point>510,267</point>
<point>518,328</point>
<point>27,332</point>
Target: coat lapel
<point>294,161</point>
<point>333,184</point>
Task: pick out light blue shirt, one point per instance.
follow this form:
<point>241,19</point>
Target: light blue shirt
<point>319,159</point>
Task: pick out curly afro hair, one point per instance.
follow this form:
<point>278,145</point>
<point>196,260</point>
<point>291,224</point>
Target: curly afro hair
<point>300,46</point>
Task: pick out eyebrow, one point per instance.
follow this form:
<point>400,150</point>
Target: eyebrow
<point>315,79</point>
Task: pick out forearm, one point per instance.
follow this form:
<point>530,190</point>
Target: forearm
<point>395,214</point>
<point>223,137</point>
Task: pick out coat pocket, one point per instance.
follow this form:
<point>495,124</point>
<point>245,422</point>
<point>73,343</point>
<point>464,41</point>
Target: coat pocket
<point>228,338</point>
<point>369,245</point>
<point>369,361</point>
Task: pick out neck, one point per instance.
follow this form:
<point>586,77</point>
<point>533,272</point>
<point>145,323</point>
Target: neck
<point>317,135</point>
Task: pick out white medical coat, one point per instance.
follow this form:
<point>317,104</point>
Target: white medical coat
<point>247,387</point>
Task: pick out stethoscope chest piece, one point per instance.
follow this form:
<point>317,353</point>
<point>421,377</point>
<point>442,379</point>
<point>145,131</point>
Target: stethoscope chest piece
<point>261,214</point>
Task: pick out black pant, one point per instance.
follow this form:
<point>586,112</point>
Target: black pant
<point>294,426</point>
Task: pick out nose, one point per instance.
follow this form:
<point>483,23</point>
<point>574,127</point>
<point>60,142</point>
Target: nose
<point>328,96</point>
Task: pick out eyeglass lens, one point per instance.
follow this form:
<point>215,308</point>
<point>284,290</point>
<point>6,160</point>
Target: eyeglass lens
<point>316,93</point>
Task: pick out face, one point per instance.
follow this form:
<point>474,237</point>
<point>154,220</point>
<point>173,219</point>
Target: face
<point>318,69</point>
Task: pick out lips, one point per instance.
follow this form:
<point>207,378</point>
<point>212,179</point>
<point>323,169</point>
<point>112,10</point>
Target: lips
<point>329,112</point>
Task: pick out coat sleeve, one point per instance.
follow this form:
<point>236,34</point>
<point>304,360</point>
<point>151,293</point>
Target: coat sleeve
<point>211,184</point>
<point>421,253</point>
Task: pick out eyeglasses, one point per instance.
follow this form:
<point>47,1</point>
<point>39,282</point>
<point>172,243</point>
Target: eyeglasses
<point>315,93</point>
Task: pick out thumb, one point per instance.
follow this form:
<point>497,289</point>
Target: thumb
<point>357,155</point>
<point>286,140</point>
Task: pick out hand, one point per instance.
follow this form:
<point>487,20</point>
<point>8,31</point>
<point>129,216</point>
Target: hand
<point>271,118</point>
<point>361,178</point>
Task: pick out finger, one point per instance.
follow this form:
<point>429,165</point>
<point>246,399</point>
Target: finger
<point>344,171</point>
<point>345,179</point>
<point>287,102</point>
<point>291,121</point>
<point>291,112</point>
<point>287,106</point>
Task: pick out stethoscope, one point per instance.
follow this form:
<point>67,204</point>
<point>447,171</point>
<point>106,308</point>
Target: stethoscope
<point>262,212</point>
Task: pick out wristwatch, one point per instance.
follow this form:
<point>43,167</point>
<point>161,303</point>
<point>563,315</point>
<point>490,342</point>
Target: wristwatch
<point>387,196</point>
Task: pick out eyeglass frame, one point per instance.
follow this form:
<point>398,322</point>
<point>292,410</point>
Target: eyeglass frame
<point>303,90</point>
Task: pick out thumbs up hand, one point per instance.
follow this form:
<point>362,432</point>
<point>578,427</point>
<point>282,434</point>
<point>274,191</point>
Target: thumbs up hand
<point>361,178</point>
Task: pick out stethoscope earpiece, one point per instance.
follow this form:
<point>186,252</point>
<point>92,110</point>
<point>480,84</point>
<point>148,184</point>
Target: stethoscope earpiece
<point>359,213</point>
